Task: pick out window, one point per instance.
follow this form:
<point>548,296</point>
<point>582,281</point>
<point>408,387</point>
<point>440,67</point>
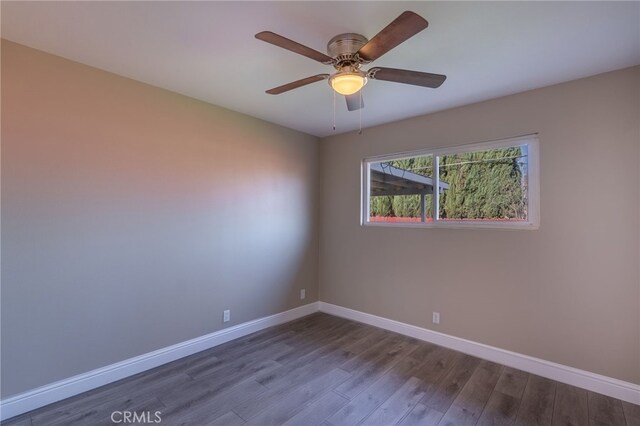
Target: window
<point>483,185</point>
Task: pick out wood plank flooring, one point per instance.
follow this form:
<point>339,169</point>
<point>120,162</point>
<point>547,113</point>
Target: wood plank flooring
<point>328,371</point>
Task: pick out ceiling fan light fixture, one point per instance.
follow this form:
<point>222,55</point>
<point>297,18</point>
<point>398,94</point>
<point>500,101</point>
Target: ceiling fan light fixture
<point>348,82</point>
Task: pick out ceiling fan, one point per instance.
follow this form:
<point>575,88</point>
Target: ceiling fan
<point>348,52</point>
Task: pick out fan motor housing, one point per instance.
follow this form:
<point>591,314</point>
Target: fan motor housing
<point>343,47</point>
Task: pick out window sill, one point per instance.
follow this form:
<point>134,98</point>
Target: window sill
<point>522,226</point>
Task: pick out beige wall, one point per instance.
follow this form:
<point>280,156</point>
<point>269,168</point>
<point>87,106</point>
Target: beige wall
<point>132,216</point>
<point>568,292</point>
<point>130,213</point>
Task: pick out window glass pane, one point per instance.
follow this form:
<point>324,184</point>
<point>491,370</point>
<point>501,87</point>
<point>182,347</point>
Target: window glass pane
<point>484,185</point>
<point>401,190</point>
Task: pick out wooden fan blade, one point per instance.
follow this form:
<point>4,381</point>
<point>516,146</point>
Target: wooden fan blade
<point>354,102</point>
<point>401,29</point>
<point>416,78</point>
<point>296,84</point>
<point>293,46</point>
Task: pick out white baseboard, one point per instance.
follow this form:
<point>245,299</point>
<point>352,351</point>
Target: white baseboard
<point>66,388</point>
<point>615,388</point>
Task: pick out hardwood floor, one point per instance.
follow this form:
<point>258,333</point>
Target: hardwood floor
<point>324,370</point>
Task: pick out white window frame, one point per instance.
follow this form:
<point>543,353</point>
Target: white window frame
<point>533,170</point>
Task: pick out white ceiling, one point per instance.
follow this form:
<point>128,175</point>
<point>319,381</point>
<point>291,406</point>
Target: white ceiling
<point>206,50</point>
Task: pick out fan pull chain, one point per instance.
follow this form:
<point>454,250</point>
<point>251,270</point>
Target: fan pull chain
<point>334,110</point>
<point>360,111</point>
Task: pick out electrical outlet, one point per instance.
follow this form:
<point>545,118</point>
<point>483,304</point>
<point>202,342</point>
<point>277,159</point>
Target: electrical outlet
<point>436,317</point>
<point>226,316</point>
<point>303,293</point>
